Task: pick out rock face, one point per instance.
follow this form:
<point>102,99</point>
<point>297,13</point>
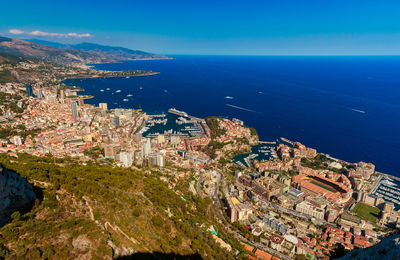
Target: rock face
<point>388,248</point>
<point>15,193</point>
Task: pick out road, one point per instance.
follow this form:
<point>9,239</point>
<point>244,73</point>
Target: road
<point>239,236</point>
<point>279,208</point>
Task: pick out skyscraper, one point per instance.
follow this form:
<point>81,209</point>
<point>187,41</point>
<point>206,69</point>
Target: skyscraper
<point>74,108</point>
<point>147,148</point>
<point>156,159</point>
<point>126,159</point>
<point>62,94</point>
<point>29,90</point>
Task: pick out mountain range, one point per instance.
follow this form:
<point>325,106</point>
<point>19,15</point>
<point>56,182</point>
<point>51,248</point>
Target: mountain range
<point>71,54</point>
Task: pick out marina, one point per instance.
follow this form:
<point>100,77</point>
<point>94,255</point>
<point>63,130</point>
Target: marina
<point>389,190</point>
<point>174,123</point>
<point>264,151</point>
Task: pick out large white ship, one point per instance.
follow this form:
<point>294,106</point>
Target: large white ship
<point>177,112</point>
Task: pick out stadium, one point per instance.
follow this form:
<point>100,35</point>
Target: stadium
<point>315,184</point>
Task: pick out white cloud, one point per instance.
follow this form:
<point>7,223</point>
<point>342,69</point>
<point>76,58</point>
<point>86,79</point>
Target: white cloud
<point>50,34</point>
<point>16,31</point>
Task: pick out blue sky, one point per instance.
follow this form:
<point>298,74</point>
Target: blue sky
<point>278,27</point>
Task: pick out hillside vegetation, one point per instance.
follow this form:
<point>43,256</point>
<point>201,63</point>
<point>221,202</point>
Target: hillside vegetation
<point>104,212</point>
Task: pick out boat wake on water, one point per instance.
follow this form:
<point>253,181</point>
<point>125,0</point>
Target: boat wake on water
<point>244,109</point>
<point>357,110</point>
<point>228,97</point>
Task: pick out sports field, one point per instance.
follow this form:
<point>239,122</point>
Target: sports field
<point>367,212</point>
<point>323,186</point>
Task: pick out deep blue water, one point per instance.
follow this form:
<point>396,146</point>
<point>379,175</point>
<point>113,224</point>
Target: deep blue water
<point>348,107</point>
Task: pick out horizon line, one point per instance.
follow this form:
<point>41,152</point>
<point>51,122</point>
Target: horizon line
<point>228,54</point>
<point>282,55</point>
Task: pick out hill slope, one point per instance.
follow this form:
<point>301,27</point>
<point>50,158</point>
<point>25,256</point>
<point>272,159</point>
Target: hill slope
<point>104,212</point>
<point>78,54</point>
<point>116,53</point>
<point>47,53</point>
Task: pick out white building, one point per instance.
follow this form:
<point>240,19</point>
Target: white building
<point>160,139</point>
<point>156,159</point>
<point>311,210</point>
<point>17,140</point>
<point>175,139</point>
<point>147,148</point>
<point>103,106</point>
<point>126,159</point>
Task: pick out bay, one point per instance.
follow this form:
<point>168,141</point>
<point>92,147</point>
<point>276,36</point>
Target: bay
<point>348,107</point>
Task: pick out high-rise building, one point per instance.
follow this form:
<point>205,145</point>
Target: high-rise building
<point>160,160</point>
<point>160,139</point>
<point>74,109</point>
<point>39,93</point>
<point>156,159</point>
<point>388,207</point>
<point>126,159</point>
<point>103,106</point>
<point>311,210</point>
<point>62,94</point>
<point>29,90</point>
<point>81,101</point>
<point>108,150</point>
<point>147,147</point>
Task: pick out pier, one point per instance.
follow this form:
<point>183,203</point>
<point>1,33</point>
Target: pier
<point>265,142</point>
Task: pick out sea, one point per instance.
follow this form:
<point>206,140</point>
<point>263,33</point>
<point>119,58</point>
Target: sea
<point>344,106</point>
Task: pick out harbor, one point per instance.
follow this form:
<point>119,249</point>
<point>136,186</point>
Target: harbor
<point>174,123</point>
<point>389,190</point>
<point>264,151</point>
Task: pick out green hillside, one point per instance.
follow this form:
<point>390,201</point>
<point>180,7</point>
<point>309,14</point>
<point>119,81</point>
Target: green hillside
<point>102,212</point>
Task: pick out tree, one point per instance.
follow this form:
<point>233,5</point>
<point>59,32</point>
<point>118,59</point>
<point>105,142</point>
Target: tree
<point>3,251</point>
<point>339,251</point>
<point>16,216</point>
<point>157,221</point>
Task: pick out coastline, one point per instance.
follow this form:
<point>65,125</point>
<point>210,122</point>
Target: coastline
<point>348,160</point>
<point>108,76</point>
<point>91,65</point>
<point>259,142</point>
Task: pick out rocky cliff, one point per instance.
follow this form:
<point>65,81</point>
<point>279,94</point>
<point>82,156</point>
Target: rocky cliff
<point>15,193</point>
<point>388,248</point>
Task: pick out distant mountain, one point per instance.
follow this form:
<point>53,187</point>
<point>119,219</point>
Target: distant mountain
<point>47,43</point>
<point>78,54</point>
<point>115,53</point>
<point>50,54</point>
